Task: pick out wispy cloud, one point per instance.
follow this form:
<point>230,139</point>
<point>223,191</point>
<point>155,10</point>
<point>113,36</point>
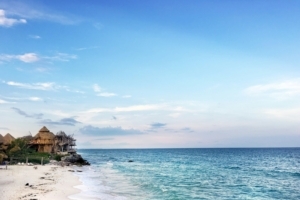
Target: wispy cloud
<point>21,99</point>
<point>98,26</point>
<point>8,22</point>
<point>108,131</point>
<point>279,90</point>
<point>61,57</point>
<point>3,101</point>
<point>35,37</point>
<point>97,88</point>
<point>35,99</point>
<point>33,86</point>
<point>65,121</point>
<point>138,108</point>
<point>27,57</point>
<point>100,92</point>
<point>126,96</point>
<point>106,94</point>
<point>86,48</point>
<point>4,128</point>
<point>33,57</point>
<point>21,112</point>
<point>38,12</point>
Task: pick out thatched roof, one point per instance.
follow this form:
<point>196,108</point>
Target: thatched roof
<point>44,129</point>
<point>8,138</point>
<point>44,133</point>
<point>1,139</point>
<point>27,137</point>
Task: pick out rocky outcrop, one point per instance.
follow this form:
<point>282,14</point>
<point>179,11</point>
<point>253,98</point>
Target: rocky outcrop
<point>75,159</point>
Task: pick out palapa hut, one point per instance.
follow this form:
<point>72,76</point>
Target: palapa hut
<point>43,141</point>
<point>1,139</point>
<point>8,138</point>
<point>2,147</point>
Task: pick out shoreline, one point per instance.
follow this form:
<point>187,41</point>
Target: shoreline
<point>47,182</point>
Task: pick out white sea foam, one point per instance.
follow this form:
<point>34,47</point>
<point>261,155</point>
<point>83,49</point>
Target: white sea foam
<point>94,186</point>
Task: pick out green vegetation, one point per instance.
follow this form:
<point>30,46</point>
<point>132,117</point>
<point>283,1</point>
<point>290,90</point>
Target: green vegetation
<point>34,157</point>
<point>18,151</point>
<point>58,157</point>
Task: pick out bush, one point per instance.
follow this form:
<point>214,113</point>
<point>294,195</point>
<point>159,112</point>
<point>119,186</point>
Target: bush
<point>58,157</point>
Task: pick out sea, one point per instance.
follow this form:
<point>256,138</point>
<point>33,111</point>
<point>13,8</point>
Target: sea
<point>187,174</point>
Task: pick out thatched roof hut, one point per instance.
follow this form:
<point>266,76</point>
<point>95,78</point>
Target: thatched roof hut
<point>43,140</point>
<point>44,134</point>
<point>1,139</point>
<point>8,138</point>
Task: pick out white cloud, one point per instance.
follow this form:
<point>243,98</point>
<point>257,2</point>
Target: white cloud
<point>86,48</point>
<point>61,57</point>
<point>126,96</point>
<point>127,109</point>
<point>33,86</point>
<point>33,57</point>
<point>34,11</point>
<point>106,94</point>
<point>35,99</point>
<point>279,90</point>
<point>138,108</point>
<point>8,22</point>
<point>21,99</point>
<point>99,92</point>
<point>27,57</point>
<point>97,88</point>
<point>35,36</point>
<point>2,101</point>
<point>99,110</point>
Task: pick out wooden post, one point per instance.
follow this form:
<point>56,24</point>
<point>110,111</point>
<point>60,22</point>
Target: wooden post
<point>26,160</point>
<point>42,160</point>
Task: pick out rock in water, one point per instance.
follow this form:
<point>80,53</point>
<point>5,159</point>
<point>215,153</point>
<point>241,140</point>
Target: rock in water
<point>75,159</point>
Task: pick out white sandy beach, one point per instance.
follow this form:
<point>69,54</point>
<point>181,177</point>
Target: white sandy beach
<point>47,182</point>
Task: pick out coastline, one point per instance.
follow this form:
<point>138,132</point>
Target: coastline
<point>46,182</point>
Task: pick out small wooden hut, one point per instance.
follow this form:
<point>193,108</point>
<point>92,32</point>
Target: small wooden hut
<point>43,141</point>
<point>1,139</point>
<point>64,143</point>
<point>8,138</point>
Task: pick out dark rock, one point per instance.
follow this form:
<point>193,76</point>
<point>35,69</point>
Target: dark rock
<point>75,159</point>
<point>130,160</point>
<point>26,184</point>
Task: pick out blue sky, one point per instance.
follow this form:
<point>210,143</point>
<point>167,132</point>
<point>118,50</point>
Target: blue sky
<point>137,74</point>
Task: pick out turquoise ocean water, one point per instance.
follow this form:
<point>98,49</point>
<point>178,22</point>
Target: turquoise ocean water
<point>187,174</point>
